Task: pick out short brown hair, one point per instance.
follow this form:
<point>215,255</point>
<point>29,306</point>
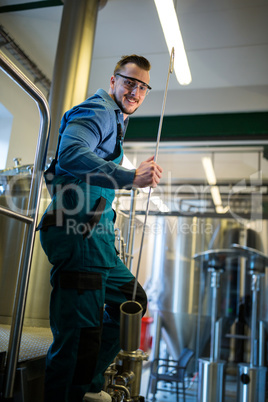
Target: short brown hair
<point>140,61</point>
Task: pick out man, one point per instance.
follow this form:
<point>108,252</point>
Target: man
<point>77,234</point>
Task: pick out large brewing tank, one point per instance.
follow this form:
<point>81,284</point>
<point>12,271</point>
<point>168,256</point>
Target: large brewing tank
<point>179,288</point>
<point>235,293</point>
<point>174,289</point>
<point>14,192</point>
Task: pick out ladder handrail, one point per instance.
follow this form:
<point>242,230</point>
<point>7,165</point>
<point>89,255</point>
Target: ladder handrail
<point>16,215</point>
<point>29,232</point>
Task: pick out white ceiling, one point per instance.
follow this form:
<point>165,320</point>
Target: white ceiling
<point>226,44</point>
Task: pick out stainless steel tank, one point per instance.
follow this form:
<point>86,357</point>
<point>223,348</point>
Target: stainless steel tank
<point>179,289</point>
<point>176,281</point>
<point>14,191</point>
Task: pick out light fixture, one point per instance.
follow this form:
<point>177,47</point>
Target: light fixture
<point>214,190</point>
<point>208,167</point>
<point>170,25</point>
<point>160,204</point>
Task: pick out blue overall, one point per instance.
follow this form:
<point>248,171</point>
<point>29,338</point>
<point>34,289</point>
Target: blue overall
<point>89,283</point>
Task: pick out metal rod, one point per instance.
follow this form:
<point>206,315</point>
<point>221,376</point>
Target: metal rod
<point>215,284</point>
<point>29,234</point>
<point>218,331</point>
<point>213,314</point>
<point>261,344</point>
<point>131,228</point>
<point>170,71</point>
<point>255,288</point>
<point>15,215</point>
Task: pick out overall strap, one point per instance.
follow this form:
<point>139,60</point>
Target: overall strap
<point>57,150</point>
<point>49,173</point>
<point>120,134</point>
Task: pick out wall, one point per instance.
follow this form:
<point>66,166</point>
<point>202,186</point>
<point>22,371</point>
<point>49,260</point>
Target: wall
<point>25,125</point>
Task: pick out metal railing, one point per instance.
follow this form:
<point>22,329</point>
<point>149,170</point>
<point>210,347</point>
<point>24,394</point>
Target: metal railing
<point>30,220</point>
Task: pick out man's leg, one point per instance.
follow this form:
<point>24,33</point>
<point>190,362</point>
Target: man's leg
<point>76,315</point>
<point>119,288</point>
<point>76,321</point>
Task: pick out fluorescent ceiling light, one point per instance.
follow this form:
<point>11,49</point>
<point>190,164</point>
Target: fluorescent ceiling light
<point>221,210</point>
<point>216,195</point>
<point>170,25</point>
<point>211,178</point>
<point>160,204</point>
<point>209,170</point>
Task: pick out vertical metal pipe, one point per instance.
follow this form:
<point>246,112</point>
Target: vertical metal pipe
<point>156,344</point>
<point>157,336</point>
<point>255,289</point>
<point>261,343</point>
<point>131,229</point>
<point>218,331</point>
<point>215,284</point>
<point>243,234</point>
<point>73,60</point>
<point>130,325</point>
<point>213,314</point>
<point>200,298</point>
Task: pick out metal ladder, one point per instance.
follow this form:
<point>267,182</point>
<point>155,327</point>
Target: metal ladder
<point>30,220</point>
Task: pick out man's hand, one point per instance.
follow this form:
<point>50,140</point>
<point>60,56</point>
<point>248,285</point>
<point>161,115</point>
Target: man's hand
<point>148,174</point>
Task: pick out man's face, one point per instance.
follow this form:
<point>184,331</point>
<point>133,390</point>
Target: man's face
<point>129,97</point>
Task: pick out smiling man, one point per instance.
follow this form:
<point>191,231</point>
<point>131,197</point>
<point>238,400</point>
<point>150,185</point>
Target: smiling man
<point>135,79</point>
<point>89,281</point>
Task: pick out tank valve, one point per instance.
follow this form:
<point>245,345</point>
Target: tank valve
<point>17,163</point>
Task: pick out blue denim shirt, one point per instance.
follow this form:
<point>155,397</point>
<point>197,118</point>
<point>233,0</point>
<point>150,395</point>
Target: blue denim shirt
<point>88,142</point>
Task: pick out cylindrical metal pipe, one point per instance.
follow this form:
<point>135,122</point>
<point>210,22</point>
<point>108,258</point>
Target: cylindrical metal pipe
<point>130,325</point>
<point>211,381</point>
<point>156,336</point>
<point>261,343</point>
<point>255,288</point>
<point>217,346</point>
<point>73,61</point>
<point>215,284</point>
<point>243,240</point>
<point>131,362</point>
<point>213,314</point>
<point>251,383</point>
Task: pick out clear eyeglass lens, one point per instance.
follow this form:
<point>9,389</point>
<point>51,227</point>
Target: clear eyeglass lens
<point>133,85</point>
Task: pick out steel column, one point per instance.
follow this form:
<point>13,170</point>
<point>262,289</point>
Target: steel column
<point>73,60</point>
